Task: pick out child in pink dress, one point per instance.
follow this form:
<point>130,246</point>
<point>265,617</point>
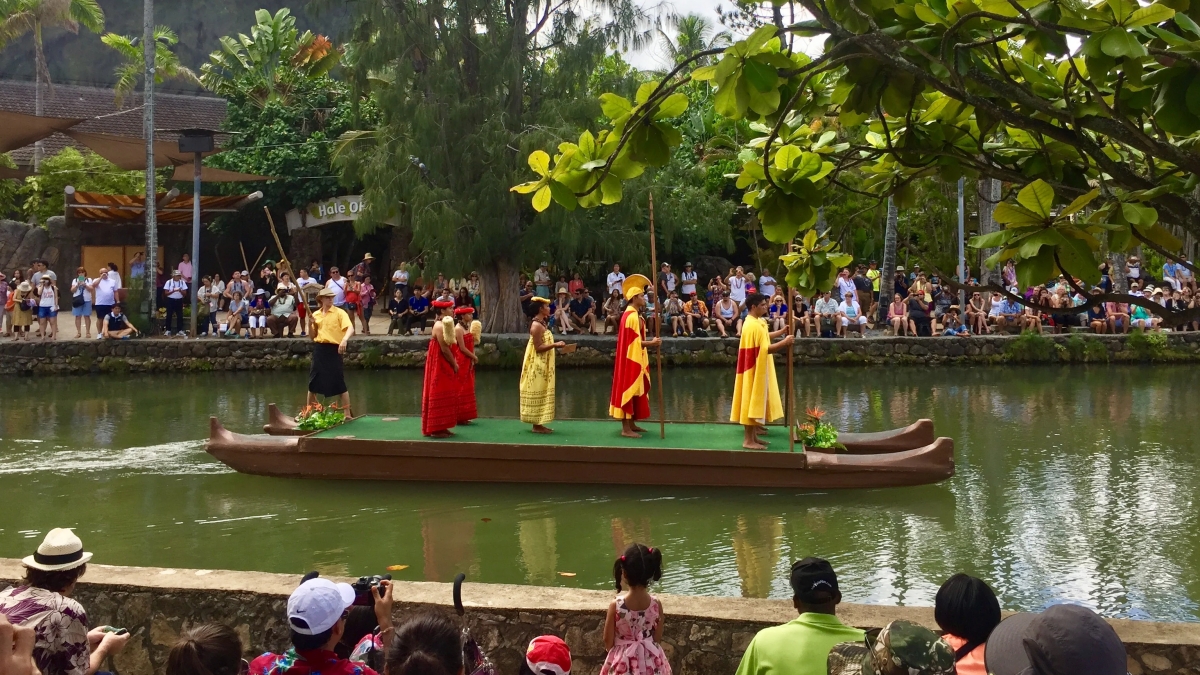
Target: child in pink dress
<point>634,626</point>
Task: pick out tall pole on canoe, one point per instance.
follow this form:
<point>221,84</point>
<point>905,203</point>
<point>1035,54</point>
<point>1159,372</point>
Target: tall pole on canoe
<point>791,394</point>
<point>658,303</point>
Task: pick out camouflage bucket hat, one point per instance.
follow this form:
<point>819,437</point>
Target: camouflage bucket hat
<point>901,648</point>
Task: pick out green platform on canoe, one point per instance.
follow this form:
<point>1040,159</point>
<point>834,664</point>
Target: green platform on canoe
<point>583,433</point>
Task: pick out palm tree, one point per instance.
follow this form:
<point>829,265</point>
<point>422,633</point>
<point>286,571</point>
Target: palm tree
<point>887,276</point>
<point>166,62</point>
<point>694,34</point>
<point>18,17</point>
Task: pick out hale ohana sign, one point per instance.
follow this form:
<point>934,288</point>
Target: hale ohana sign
<point>332,210</point>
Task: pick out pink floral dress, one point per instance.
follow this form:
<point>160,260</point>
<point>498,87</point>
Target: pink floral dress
<point>635,652</point>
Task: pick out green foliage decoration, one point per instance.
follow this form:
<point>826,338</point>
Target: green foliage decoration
<point>813,267</point>
<point>42,193</point>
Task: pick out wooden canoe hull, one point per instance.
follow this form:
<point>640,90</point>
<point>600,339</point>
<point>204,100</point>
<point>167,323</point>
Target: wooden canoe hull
<point>448,461</point>
<point>919,434</point>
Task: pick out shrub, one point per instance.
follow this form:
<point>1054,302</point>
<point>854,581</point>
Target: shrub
<point>1080,349</point>
<point>1147,346</point>
<point>1030,347</point>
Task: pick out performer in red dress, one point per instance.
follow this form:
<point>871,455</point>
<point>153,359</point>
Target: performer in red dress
<point>466,334</point>
<point>630,397</point>
<point>439,397</point>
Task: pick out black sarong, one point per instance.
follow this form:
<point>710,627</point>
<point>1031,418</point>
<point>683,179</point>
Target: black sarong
<point>326,377</point>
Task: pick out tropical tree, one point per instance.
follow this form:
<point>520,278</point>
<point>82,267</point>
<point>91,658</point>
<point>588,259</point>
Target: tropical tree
<point>132,68</point>
<point>271,62</point>
<point>21,17</point>
<point>693,34</point>
<point>993,89</point>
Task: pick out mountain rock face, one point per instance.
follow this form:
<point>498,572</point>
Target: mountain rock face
<point>83,59</point>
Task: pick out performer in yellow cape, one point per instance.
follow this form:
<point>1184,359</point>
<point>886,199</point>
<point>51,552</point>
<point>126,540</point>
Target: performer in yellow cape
<point>537,371</point>
<point>756,391</point>
<point>630,397</point>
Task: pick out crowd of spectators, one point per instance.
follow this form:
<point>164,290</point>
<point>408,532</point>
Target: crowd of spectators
<point>339,629</point>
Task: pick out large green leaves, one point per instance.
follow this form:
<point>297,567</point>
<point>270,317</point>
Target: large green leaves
<point>813,266</point>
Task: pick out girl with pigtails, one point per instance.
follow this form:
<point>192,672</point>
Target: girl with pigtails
<point>634,625</point>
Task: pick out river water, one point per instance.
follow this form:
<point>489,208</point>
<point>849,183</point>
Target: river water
<point>1073,484</point>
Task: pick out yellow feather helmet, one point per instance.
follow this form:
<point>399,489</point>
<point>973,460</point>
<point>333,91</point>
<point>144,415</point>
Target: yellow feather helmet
<point>634,284</point>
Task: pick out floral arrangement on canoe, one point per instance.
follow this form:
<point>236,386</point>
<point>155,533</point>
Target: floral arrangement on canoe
<point>813,433</point>
<point>317,417</point>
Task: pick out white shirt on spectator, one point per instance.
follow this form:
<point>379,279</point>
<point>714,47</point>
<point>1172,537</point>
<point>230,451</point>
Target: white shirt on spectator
<point>615,282</point>
<point>829,306</point>
<point>844,285</point>
<point>689,283</point>
<point>400,276</point>
<point>766,285</point>
<point>175,289</point>
<point>106,291</point>
<point>339,290</point>
<point>737,289</point>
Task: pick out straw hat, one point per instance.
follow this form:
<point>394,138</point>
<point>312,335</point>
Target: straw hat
<point>60,550</point>
<point>368,256</point>
<point>24,287</point>
<point>326,293</point>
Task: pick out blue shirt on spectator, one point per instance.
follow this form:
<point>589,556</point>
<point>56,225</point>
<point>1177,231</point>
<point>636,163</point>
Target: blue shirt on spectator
<point>1009,307</point>
<point>418,304</point>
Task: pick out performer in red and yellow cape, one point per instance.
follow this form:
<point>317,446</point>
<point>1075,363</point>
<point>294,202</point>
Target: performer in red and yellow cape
<point>756,391</point>
<point>466,333</point>
<point>439,396</point>
<point>630,397</point>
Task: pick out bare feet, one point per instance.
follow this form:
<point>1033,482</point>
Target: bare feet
<point>637,429</point>
<point>630,434</point>
<point>754,446</point>
<point>539,429</point>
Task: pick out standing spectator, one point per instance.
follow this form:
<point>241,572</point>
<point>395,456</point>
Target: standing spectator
<point>1133,271</point>
<point>104,296</point>
<point>47,308</point>
<point>695,313</point>
<point>337,284</point>
<point>160,280</point>
<point>283,312</point>
<point>583,311</point>
<point>236,285</point>
<point>827,315</point>
<point>716,286</point>
<point>353,297</point>
<point>873,274</point>
<point>667,281</point>
<point>843,285</point>
<point>575,284</point>
<point>688,280</point>
<point>737,287</point>
<point>208,297</point>
<point>267,276</point>
<point>563,286</point>
<point>4,291</point>
<point>42,271</point>
<point>63,645</point>
<point>397,310</point>
<point>474,289</point>
<point>1009,274</point>
<point>633,627</point>
<point>362,269</point>
<point>174,290</point>
<point>801,647</point>
<point>81,303</point>
<point>862,288</point>
<point>851,316</point>
<point>541,280</point>
<point>316,272</point>
<point>400,280</point>
<point>306,298</point>
<point>137,266</point>
<point>185,268</point>
<point>725,313</point>
<point>218,289</point>
<point>614,308</point>
<point>767,284</point>
<point>921,288</point>
<point>366,295</point>
<point>616,280</point>
<point>419,310</point>
<point>900,283</point>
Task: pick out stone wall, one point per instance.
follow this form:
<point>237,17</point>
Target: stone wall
<point>22,243</point>
<point>702,636</point>
<point>506,351</point>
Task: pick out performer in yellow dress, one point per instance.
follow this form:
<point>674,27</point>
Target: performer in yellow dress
<point>537,371</point>
<point>629,400</point>
<point>756,399</point>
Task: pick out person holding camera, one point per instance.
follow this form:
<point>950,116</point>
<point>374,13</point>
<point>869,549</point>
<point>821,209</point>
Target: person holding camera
<point>316,613</point>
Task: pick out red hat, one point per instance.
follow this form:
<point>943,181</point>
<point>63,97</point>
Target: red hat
<point>465,309</point>
<point>443,304</point>
<point>548,655</point>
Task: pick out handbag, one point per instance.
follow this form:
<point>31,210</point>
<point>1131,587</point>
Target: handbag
<point>77,300</point>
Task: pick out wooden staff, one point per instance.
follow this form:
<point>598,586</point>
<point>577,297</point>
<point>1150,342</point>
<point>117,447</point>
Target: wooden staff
<point>791,396</point>
<point>257,260</point>
<point>274,235</point>
<point>245,265</point>
<point>658,303</point>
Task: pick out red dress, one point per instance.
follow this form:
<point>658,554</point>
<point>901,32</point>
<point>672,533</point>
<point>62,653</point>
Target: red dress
<point>439,396</point>
<point>466,379</point>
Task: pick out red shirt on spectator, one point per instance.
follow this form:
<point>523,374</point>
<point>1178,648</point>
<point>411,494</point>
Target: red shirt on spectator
<point>309,662</point>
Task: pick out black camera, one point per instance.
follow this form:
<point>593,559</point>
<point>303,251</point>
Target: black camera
<point>363,587</point>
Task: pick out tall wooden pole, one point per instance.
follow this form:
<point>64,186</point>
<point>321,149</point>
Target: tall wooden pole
<point>791,393</point>
<point>658,303</point>
<point>149,47</point>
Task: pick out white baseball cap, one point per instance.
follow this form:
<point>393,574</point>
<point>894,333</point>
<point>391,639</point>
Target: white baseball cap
<point>317,605</point>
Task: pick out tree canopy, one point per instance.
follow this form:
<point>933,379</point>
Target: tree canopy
<point>1084,110</point>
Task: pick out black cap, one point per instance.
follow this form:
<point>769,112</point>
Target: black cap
<point>1063,640</point>
<point>813,581</point>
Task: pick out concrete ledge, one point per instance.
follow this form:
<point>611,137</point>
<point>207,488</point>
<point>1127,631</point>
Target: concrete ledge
<point>506,351</point>
<point>703,636</point>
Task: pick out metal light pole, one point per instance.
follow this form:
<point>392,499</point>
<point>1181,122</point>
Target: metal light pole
<point>197,142</point>
<point>148,48</point>
<point>962,257</point>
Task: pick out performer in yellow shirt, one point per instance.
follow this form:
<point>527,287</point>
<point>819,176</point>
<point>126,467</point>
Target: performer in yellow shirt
<point>629,400</point>
<point>537,371</point>
<point>331,330</point>
<point>756,399</point>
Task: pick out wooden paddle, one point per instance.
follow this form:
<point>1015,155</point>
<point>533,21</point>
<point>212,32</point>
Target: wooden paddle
<point>658,303</point>
<point>791,397</point>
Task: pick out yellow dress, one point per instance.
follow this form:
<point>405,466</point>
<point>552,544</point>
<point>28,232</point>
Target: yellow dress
<point>21,316</point>
<point>537,383</point>
<point>755,391</point>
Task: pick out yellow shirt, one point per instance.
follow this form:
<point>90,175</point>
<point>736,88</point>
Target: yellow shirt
<point>331,326</point>
<point>873,276</point>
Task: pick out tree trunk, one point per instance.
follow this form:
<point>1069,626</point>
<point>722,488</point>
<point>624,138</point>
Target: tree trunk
<point>887,275</point>
<point>1117,268</point>
<point>501,302</point>
<point>988,193</point>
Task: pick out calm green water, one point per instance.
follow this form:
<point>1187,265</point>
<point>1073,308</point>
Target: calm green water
<point>1072,484</point>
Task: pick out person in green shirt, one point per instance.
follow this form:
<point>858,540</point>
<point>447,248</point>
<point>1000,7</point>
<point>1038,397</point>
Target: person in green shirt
<point>801,646</point>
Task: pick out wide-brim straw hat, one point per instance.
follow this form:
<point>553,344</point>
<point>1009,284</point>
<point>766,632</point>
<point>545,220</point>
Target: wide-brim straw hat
<point>24,287</point>
<point>326,293</point>
<point>60,550</point>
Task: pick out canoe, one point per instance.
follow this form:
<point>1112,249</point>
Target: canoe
<point>919,434</point>
<point>579,452</point>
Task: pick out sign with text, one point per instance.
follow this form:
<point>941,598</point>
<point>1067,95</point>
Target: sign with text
<point>332,210</point>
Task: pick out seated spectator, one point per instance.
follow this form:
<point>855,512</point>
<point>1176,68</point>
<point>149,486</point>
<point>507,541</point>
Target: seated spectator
<point>1141,318</point>
<point>726,314</point>
<point>16,649</point>
<point>777,312</point>
<point>63,645</point>
<point>804,318</point>
<point>316,614</point>
<point>977,317</point>
<point>575,284</point>
<point>695,315</point>
<point>1118,316</point>
<point>1063,640</point>
<point>116,325</point>
<point>614,307</point>
<point>419,310</point>
<point>673,313</point>
<point>901,648</point>
<point>426,645</point>
<point>562,286</point>
<point>851,316</point>
<point>258,309</point>
<point>942,300</point>
<point>238,316</point>
<point>1097,318</point>
<point>1032,320</point>
<point>560,313</point>
<point>919,321</point>
<point>397,310</point>
<point>827,315</point>
<point>546,655</point>
<point>582,310</point>
<point>368,628</point>
<point>283,312</point>
<point>952,326</point>
<point>898,315</point>
<point>801,646</point>
<point>207,649</point>
<point>967,611</point>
